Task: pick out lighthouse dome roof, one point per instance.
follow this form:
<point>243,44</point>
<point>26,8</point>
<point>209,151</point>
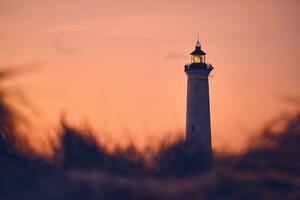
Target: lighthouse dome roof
<point>198,51</point>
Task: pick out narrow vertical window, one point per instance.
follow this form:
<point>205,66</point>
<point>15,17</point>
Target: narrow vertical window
<point>192,127</point>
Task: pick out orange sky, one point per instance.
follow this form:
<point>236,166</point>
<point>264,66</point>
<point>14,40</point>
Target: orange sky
<point>119,64</point>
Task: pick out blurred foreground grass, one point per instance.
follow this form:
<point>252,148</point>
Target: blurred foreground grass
<point>82,169</point>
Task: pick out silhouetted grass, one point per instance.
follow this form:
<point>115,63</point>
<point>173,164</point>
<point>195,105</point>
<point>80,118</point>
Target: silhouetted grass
<point>80,150</point>
<point>83,169</point>
<point>18,169</point>
<point>177,160</point>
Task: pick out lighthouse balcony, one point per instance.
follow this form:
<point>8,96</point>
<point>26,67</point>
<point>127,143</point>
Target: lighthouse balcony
<point>198,66</point>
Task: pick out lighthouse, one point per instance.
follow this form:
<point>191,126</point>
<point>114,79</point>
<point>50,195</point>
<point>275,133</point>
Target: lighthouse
<point>198,129</point>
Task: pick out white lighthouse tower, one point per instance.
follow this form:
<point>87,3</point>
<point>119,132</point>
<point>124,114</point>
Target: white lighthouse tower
<point>198,131</point>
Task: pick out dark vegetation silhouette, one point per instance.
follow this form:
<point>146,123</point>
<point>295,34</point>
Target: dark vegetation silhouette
<point>80,150</point>
<point>81,168</point>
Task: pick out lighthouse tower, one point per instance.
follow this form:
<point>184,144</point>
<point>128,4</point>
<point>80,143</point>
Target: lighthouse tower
<point>198,131</point>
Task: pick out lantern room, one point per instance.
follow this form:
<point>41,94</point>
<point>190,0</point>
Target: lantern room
<point>198,56</point>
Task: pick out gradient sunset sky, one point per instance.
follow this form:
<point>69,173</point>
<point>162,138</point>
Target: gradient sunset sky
<point>118,65</point>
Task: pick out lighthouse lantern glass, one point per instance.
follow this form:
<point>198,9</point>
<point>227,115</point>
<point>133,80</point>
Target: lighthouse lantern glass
<point>197,59</point>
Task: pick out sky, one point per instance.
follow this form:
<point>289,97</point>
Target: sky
<point>117,66</point>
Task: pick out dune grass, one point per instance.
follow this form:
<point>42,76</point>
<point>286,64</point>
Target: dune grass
<point>83,169</point>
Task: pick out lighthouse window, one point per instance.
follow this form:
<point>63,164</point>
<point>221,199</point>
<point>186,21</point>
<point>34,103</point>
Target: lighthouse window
<point>196,59</point>
<point>193,128</point>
